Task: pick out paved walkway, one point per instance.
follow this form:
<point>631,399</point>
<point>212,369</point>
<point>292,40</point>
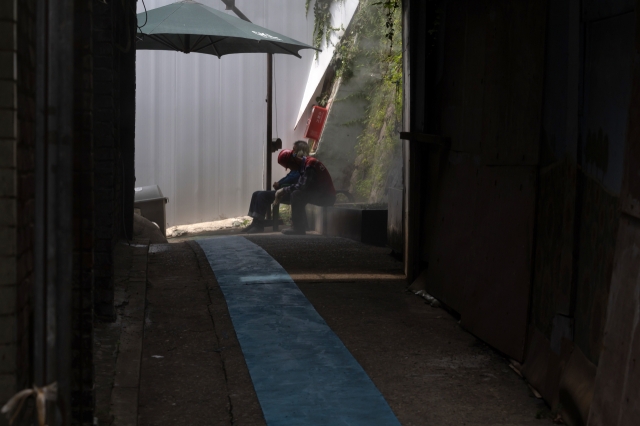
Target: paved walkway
<point>301,371</point>
<point>198,368</point>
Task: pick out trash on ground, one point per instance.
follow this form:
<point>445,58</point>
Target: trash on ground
<point>432,301</point>
<point>196,228</point>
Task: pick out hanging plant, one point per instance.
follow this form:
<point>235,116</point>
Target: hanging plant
<point>322,29</point>
<point>391,6</point>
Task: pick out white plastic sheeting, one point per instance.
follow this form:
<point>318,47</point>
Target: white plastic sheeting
<point>201,121</point>
<point>341,14</point>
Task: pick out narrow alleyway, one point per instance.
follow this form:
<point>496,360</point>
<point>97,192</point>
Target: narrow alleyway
<point>428,369</point>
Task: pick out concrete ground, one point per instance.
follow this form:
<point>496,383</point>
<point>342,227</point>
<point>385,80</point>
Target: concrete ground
<point>430,370</point>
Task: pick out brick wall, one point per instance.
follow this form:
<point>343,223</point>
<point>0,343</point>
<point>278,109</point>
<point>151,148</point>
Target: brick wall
<point>17,142</point>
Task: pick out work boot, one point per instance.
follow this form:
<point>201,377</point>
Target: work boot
<point>293,231</point>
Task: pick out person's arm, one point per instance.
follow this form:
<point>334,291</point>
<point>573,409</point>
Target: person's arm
<point>290,179</point>
<point>305,183</point>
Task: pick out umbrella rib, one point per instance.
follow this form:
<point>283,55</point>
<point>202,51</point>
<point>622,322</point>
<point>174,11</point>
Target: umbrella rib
<point>161,41</point>
<point>196,43</point>
<point>284,48</point>
<point>212,45</point>
<point>168,40</point>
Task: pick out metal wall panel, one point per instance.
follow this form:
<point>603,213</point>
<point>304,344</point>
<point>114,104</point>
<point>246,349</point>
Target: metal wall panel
<point>479,248</point>
<point>513,82</point>
<point>478,237</point>
<point>463,74</point>
<point>607,93</point>
<point>201,121</point>
<point>617,384</point>
<point>561,83</point>
<point>609,48</point>
<point>497,299</point>
<point>630,196</point>
<point>450,232</point>
<point>598,9</point>
<point>599,219</point>
<point>553,273</point>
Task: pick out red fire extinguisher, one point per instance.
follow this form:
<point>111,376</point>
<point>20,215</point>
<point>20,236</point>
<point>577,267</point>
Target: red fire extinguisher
<point>315,124</point>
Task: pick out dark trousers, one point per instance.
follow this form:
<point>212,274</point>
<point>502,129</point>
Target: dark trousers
<point>261,202</point>
<point>298,201</point>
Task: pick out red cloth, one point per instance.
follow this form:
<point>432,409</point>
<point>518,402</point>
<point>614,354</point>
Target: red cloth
<point>324,181</point>
<point>314,176</point>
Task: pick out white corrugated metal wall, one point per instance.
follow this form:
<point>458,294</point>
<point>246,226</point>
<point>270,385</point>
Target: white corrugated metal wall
<point>201,121</point>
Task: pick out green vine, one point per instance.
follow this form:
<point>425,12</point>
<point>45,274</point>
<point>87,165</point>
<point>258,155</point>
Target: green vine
<point>391,6</point>
<point>322,29</point>
<point>379,144</point>
<point>369,43</point>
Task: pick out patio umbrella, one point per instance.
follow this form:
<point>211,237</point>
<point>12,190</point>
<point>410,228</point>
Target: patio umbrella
<point>188,26</point>
<point>191,27</point>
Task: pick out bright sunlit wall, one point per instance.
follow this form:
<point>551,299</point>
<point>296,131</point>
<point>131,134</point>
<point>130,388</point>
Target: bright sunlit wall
<point>201,121</point>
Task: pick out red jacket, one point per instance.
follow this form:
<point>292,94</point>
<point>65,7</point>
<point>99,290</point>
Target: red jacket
<point>314,176</point>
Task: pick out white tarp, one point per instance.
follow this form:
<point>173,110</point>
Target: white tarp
<point>341,14</point>
<point>201,121</point>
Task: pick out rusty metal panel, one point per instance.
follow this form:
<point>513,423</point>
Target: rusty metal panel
<point>513,82</point>
<point>497,299</point>
<point>615,402</point>
<point>553,264</point>
<point>599,226</point>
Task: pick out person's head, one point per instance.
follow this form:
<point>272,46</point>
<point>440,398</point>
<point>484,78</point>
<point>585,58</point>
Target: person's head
<point>287,159</point>
<point>301,149</point>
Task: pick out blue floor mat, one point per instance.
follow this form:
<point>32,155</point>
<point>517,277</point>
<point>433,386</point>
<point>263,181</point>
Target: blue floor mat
<point>302,372</point>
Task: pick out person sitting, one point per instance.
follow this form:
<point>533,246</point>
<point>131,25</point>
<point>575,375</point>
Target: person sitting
<point>314,186</point>
<point>261,200</point>
<point>300,149</point>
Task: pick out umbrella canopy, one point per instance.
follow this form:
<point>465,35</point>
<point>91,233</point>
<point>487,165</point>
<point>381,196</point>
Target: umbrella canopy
<point>189,26</point>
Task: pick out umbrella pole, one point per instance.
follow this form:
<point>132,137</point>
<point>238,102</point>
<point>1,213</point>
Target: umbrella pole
<point>269,125</point>
<point>269,116</point>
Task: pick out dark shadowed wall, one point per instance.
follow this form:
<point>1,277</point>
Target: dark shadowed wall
<point>529,211</point>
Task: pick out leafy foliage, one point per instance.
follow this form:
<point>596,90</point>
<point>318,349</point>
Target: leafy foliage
<point>391,6</point>
<point>322,29</point>
<point>379,143</point>
<point>369,43</point>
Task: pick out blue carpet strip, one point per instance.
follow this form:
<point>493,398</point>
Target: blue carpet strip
<point>302,373</point>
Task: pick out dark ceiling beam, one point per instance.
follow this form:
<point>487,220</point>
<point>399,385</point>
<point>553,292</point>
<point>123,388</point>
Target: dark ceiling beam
<point>231,5</point>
